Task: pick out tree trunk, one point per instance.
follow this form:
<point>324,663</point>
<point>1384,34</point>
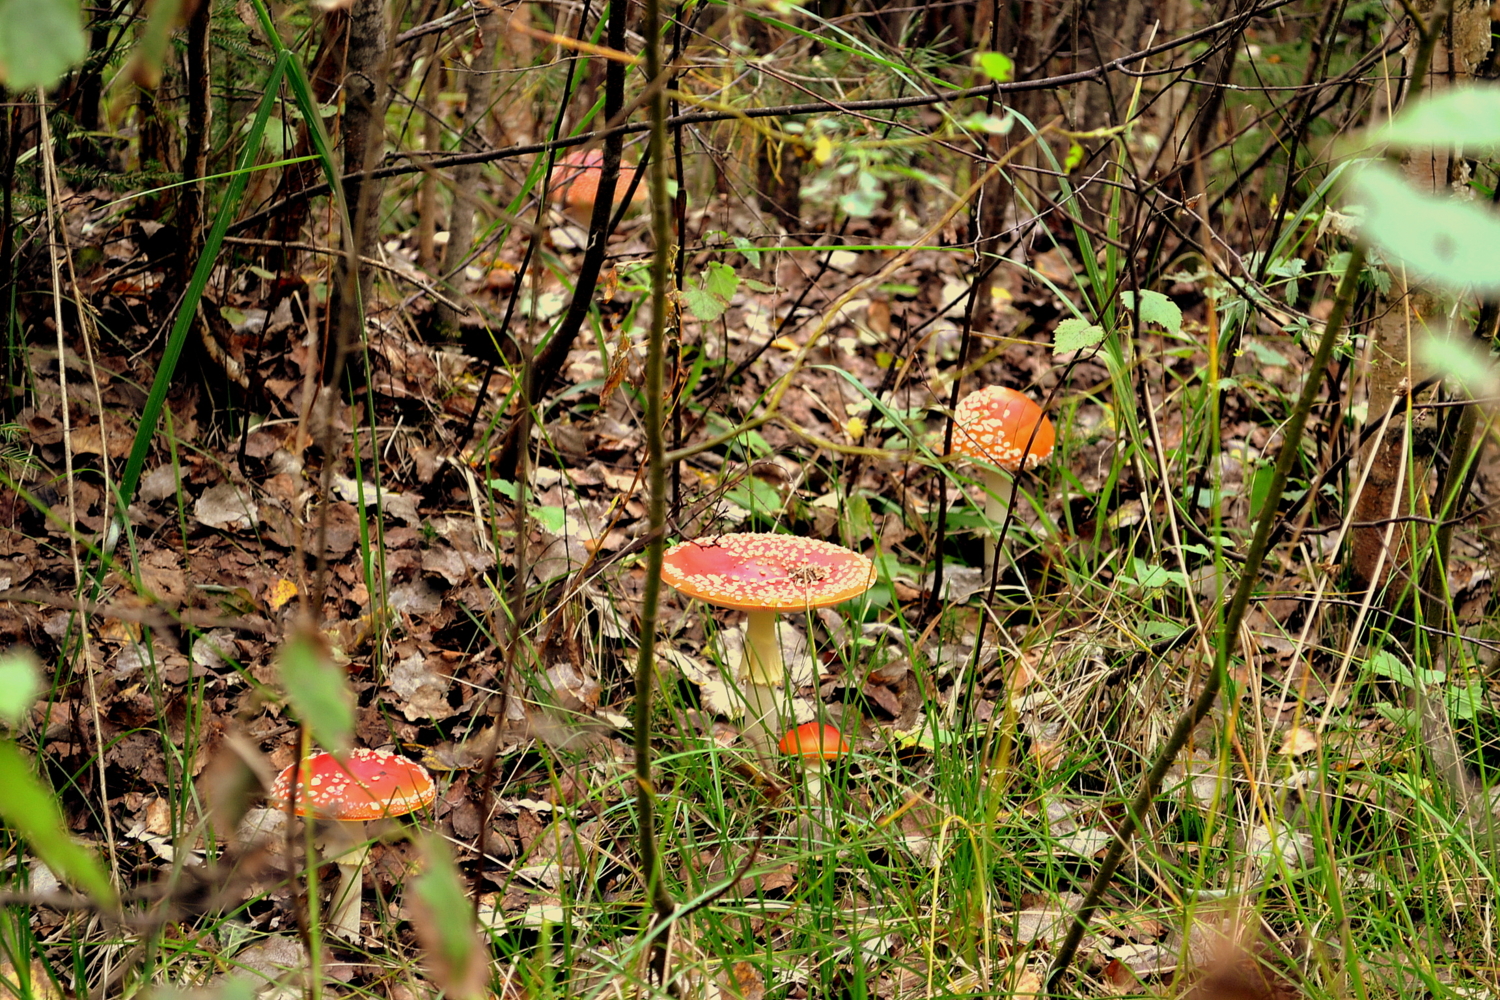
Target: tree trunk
<point>365,99</point>
<point>478,86</point>
<point>1402,314</point>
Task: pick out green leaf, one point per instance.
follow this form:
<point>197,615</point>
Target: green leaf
<point>552,519</point>
<point>1155,308</point>
<point>865,198</point>
<point>30,809</point>
<point>1074,157</point>
<point>1460,360</point>
<point>748,248</point>
<point>993,124</point>
<point>39,41</point>
<point>996,65</point>
<point>1463,116</point>
<point>1450,242</point>
<point>20,680</point>
<point>318,689</point>
<point>710,297</point>
<point>1384,663</point>
<point>1073,334</point>
<point>444,920</point>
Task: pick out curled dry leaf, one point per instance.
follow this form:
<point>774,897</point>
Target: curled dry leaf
<point>226,507</point>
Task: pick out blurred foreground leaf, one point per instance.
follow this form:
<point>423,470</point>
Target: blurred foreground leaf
<point>444,919</point>
<point>318,689</point>
<point>1449,242</point>
<point>39,41</point>
<point>30,809</point>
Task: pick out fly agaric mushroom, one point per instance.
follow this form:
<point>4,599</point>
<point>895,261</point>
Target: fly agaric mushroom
<point>575,183</point>
<point>369,785</point>
<point>1003,429</point>
<point>764,575</point>
<point>816,743</point>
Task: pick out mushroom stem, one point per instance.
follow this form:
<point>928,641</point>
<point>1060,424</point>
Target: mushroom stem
<point>815,766</point>
<point>763,674</point>
<point>763,664</point>
<point>998,490</point>
<point>762,717</point>
<point>343,916</point>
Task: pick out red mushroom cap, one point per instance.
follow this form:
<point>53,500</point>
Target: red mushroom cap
<point>995,424</point>
<point>814,741</point>
<point>766,572</point>
<point>575,181</point>
<point>371,784</point>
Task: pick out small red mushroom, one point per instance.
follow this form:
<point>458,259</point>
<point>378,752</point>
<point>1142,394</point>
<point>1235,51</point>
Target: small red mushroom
<point>764,575</point>
<point>816,743</point>
<point>575,183</point>
<point>1001,429</point>
<point>368,785</point>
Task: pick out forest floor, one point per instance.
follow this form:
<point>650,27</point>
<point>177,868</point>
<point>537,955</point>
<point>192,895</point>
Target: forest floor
<point>996,734</point>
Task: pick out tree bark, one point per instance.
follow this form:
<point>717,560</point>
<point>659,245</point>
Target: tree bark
<point>190,205</point>
<point>1402,314</point>
<point>365,97</point>
<point>478,86</point>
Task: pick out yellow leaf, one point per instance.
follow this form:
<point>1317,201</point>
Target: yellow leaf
<point>822,150</point>
<point>281,592</point>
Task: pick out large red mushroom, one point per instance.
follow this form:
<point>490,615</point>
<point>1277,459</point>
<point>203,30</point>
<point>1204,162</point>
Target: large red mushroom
<point>764,575</point>
<point>366,785</point>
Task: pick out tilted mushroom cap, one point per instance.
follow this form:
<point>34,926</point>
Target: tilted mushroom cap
<point>996,423</point>
<point>370,784</point>
<point>753,571</point>
<point>814,741</point>
<point>575,181</point>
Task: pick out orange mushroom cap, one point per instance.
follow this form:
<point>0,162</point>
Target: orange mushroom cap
<point>814,741</point>
<point>751,571</point>
<point>996,424</point>
<point>370,784</point>
<point>575,181</point>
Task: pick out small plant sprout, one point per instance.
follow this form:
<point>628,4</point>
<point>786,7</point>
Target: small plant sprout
<point>575,184</point>
<point>764,575</point>
<point>368,785</point>
<point>1004,432</point>
<point>816,743</point>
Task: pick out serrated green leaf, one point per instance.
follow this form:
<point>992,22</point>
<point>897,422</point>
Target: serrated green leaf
<point>30,809</point>
<point>1155,308</point>
<point>721,280</point>
<point>39,41</point>
<point>1073,334</point>
<point>1450,242</point>
<point>1463,116</point>
<point>709,296</point>
<point>318,689</point>
<point>996,65</point>
<point>20,680</point>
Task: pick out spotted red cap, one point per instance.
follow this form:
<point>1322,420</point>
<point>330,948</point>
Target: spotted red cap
<point>765,572</point>
<point>996,423</point>
<point>370,784</point>
<point>814,741</point>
